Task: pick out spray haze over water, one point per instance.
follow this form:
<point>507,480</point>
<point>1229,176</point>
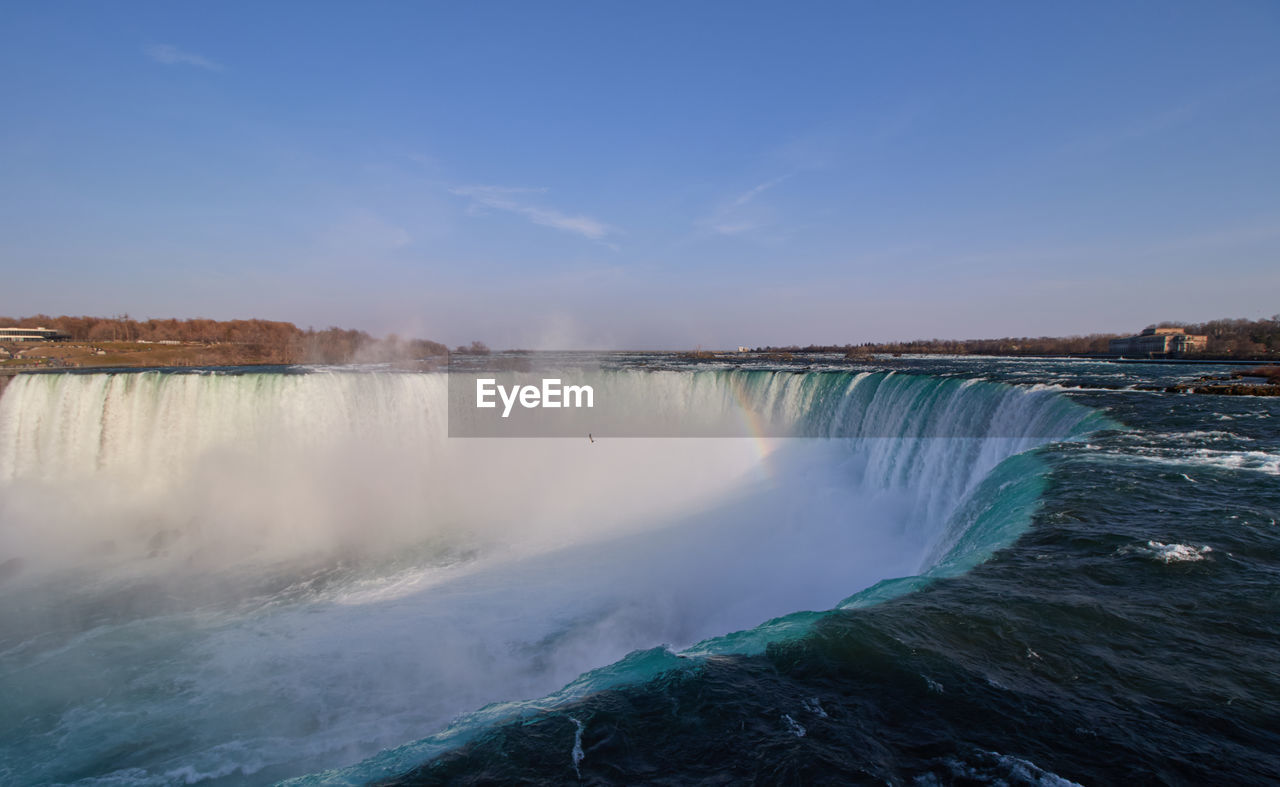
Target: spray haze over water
<point>245,577</point>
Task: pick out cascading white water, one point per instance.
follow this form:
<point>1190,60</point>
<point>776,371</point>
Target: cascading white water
<point>252,576</point>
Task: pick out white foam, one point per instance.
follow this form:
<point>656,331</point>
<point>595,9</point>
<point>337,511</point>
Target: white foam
<point>1170,553</point>
<point>1000,769</point>
<point>1252,461</point>
<point>577,754</point>
<point>1028,772</point>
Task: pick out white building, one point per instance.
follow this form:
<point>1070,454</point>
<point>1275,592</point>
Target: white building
<point>32,335</point>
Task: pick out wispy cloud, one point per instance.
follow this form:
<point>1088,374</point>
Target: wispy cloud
<point>733,217</point>
<point>1139,129</point>
<point>516,200</point>
<point>755,191</point>
<point>173,56</point>
<point>735,228</point>
<point>1200,106</point>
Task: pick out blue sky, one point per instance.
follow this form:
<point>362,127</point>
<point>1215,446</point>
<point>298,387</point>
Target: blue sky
<point>656,175</point>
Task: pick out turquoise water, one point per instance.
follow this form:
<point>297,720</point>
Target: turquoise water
<point>266,576</point>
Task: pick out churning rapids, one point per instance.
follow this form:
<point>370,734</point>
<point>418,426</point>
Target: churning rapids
<point>230,578</point>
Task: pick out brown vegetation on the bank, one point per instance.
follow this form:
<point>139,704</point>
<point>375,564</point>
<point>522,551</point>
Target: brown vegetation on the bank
<point>475,348</point>
<point>698,354</point>
<point>199,342</point>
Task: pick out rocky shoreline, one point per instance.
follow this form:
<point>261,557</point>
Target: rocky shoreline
<point>1231,385</point>
<point>1226,389</point>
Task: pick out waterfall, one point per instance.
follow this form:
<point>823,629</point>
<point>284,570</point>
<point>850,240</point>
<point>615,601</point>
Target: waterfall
<point>259,574</point>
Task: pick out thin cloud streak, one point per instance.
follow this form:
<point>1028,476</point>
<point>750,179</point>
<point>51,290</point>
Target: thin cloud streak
<point>756,191</point>
<point>171,55</point>
<point>735,229</point>
<point>731,218</point>
<point>507,198</point>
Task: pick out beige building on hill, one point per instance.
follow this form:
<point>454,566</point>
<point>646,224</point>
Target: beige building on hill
<point>1159,341</point>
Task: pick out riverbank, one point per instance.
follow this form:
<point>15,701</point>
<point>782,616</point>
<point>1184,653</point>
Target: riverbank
<point>90,355</point>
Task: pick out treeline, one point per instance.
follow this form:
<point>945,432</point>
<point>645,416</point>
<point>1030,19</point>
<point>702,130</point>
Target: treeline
<point>1025,345</point>
<point>1233,338</point>
<point>265,341</point>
